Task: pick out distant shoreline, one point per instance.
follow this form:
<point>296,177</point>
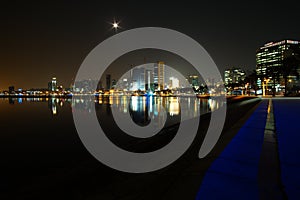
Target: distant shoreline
<point>85,95</point>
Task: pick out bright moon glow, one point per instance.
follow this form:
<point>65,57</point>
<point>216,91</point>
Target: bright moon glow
<point>115,25</point>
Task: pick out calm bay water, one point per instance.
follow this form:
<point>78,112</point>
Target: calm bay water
<point>38,138</point>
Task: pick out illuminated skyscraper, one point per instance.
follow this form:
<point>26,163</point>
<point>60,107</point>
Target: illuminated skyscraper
<point>138,78</point>
<point>270,63</point>
<point>52,85</point>
<point>173,83</point>
<point>234,76</point>
<point>193,80</point>
<point>149,79</point>
<point>159,75</point>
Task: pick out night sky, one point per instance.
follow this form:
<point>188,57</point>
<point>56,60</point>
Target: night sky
<point>43,39</point>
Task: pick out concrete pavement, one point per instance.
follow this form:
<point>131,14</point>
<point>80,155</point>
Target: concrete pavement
<point>262,161</point>
<point>233,175</point>
<point>287,115</point>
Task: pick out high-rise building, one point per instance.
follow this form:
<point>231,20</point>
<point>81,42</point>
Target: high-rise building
<point>149,79</point>
<point>234,76</point>
<point>159,75</point>
<point>113,83</point>
<point>193,80</point>
<point>52,85</point>
<point>11,89</point>
<point>85,86</point>
<point>173,83</point>
<point>138,78</point>
<point>270,63</point>
<point>108,80</point>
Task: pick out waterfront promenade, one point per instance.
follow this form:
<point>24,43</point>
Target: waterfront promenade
<point>262,160</point>
<point>287,115</point>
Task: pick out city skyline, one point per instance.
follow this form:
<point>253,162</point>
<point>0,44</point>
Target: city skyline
<point>232,75</point>
<point>150,99</point>
<point>43,40</point>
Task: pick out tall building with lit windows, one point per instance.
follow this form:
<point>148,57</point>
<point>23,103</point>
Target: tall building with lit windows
<point>193,80</point>
<point>270,63</point>
<point>234,75</point>
<point>149,79</point>
<point>138,78</point>
<point>52,85</point>
<point>159,75</point>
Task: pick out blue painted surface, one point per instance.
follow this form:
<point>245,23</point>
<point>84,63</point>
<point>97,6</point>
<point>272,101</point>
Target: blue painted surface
<point>233,175</point>
<point>287,119</point>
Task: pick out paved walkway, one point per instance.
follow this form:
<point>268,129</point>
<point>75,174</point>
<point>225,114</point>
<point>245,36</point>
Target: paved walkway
<point>233,175</point>
<point>253,165</point>
<point>287,120</point>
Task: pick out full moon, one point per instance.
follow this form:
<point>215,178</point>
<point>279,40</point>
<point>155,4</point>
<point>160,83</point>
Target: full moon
<point>115,25</point>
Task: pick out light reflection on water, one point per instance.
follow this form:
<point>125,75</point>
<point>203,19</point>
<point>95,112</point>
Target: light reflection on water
<point>141,105</point>
<point>38,138</point>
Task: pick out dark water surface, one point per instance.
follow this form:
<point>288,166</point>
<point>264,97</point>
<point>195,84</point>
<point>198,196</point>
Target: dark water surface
<point>40,148</point>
